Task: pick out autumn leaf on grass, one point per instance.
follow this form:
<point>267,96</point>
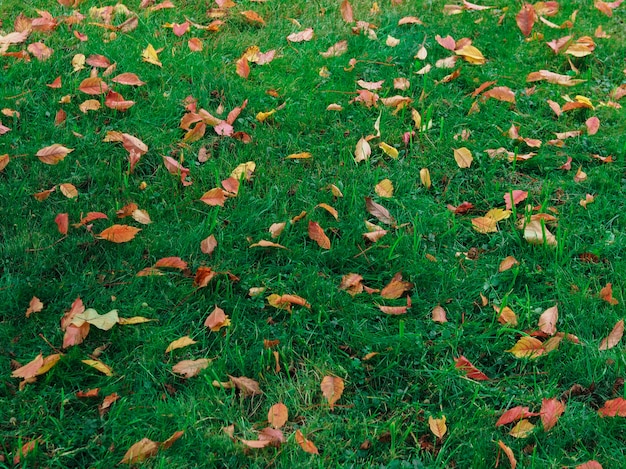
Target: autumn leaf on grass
<point>336,50</point>
<point>551,411</point>
<point>128,79</point>
<point>35,306</point>
<point>329,209</point>
<point>62,221</point>
<point>117,102</point>
<point>306,445</point>
<point>171,263</point>
<point>514,197</point>
<point>29,370</point>
<point>53,154</point>
<point>316,233</point>
<point>150,55</point>
<point>278,415</point>
<point>548,319</point>
<point>526,19</point>
<point>176,169</point>
<point>253,17</point>
<point>346,11</point>
<point>488,223</point>
<point>535,232</point>
<point>396,288</point>
<point>463,157</point>
<point>607,294</point>
<point>286,301</point>
<point>614,337</point>
<point>107,402</point>
<point>208,245</point>
<point>613,408</point>
<point>248,387</point>
<point>101,321</point>
<point>214,197</point>
<point>180,343</point>
<point>299,156</point>
<point>463,364</point>
<point>351,283</point>
<point>119,233</point>
<point>471,54</point>
<point>379,211</point>
<point>389,150</point>
<point>438,426</point>
<point>509,454</point>
<point>554,78</point>
<point>98,365</point>
<point>217,319</point>
<point>522,429</point>
<point>363,150</point>
<point>527,347</point>
<point>267,244</point>
<point>244,170</point>
<point>190,368</point>
<point>25,449</point>
<point>4,159</point>
<point>93,86</point>
<point>140,451</point>
<point>203,276</point>
<point>507,263</point>
<point>514,414</point>
<point>384,188</point>
<point>332,389</point>
<point>302,36</point>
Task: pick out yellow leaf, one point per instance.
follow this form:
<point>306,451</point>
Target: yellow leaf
<point>497,214</point>
<point>438,426</point>
<point>417,119</point>
<point>522,429</point>
<point>484,225</point>
<point>362,151</point>
<point>471,55</point>
<point>463,157</point>
<point>527,347</point>
<point>384,188</point>
<point>180,343</point>
<point>150,55</point>
<point>244,169</point>
<point>388,149</point>
<point>299,156</point>
<point>329,209</point>
<point>425,178</point>
<point>98,365</point>
<point>134,320</point>
<point>101,321</point>
<point>68,190</point>
<point>262,116</point>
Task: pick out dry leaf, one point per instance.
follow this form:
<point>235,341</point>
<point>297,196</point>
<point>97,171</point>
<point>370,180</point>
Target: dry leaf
<point>101,321</point>
<point>302,36</point>
<point>507,263</point>
<point>613,408</point>
<point>191,368</point>
<point>536,233</point>
<point>363,151</point>
<point>514,414</point>
<point>346,11</point>
<point>332,389</point>
<point>463,157</point>
<point>53,154</point>
<point>384,188</point>
<point>438,426</point>
<point>548,319</point>
<point>389,150</point>
<point>306,445</point>
<point>93,86</point>
<point>396,288</point>
<point>208,245</point>
<point>30,369</point>
<point>379,211</point>
<point>62,221</point>
<point>180,343</point>
<point>438,314</point>
<point>523,429</point>
<point>98,365</point>
<point>526,19</point>
<point>509,454</point>
<point>527,347</point>
<point>470,370</point>
<point>217,319</point>
<point>35,306</point>
<point>248,387</point>
<point>278,415</point>
<point>614,337</point>
<point>425,178</point>
<point>316,233</point>
<point>140,451</point>
<point>150,55</point>
<point>551,411</point>
<point>119,233</point>
<point>606,293</point>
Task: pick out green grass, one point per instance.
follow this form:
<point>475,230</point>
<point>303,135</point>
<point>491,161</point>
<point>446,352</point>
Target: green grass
<point>387,399</point>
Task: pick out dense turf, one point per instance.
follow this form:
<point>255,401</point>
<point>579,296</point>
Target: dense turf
<point>381,419</point>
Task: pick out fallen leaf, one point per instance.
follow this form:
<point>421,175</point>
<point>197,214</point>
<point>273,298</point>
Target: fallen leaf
<point>172,439</point>
<point>253,17</point>
<point>336,50</point>
<point>53,154</point>
<point>302,36</point>
<point>128,79</point>
<point>509,454</point>
<point>551,411</point>
<point>93,86</point>
<point>346,11</point>
<point>62,221</point>
<point>396,288</point>
<point>463,157</point>
<point>150,55</point>
<point>30,369</point>
<point>208,245</point>
<point>606,294</point>
<point>389,150</point>
<point>68,190</point>
<point>507,263</point>
<point>101,321</point>
<point>614,337</point>
<point>438,314</point>
<point>316,233</point>
<point>536,233</point>
<point>119,233</point>
<point>180,343</point>
<point>379,211</point>
<point>527,347</point>
<point>278,415</point>
<point>613,408</point>
<point>299,156</point>
<point>522,429</point>
<point>548,319</point>
<point>392,41</point>
<point>306,445</point>
<point>384,188</point>
<point>98,365</point>
<point>363,150</point>
<point>471,54</point>
<point>216,320</point>
<point>438,426</point>
<point>514,197</point>
<point>248,387</point>
<point>140,451</point>
<point>463,364</point>
<point>332,389</point>
<point>267,244</point>
<point>425,178</point>
<point>526,19</point>
<point>171,263</point>
<point>190,368</point>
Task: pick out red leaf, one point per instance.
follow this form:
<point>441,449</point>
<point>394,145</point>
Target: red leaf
<point>119,233</point>
<point>93,86</point>
<point>593,124</point>
<point>316,233</point>
<point>172,262</point>
<point>62,221</point>
<point>514,414</point>
<point>518,196</point>
<point>180,29</point>
<point>96,60</point>
<point>589,465</point>
<point>470,370</point>
<point>55,84</point>
<point>551,411</point>
<point>116,101</point>
<point>607,294</point>
<point>526,19</point>
<point>614,408</point>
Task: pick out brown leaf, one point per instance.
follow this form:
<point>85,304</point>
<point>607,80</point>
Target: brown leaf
<point>379,211</point>
<point>119,233</point>
<point>247,386</point>
<point>548,319</point>
<point>107,402</point>
<point>267,244</point>
<point>35,306</point>
<point>172,439</point>
<point>302,36</point>
<point>216,196</point>
<point>469,369</point>
<point>346,11</point>
<point>171,262</point>
<point>507,263</point>
<point>278,415</point>
<point>128,79</point>
<point>329,209</point>
<point>62,221</point>
<point>527,347</point>
<point>526,19</point>
<point>363,150</point>
<point>332,389</point>
<point>140,451</point>
<point>98,365</point>
<point>351,283</point>
<point>393,310</point>
<point>336,50</point>
<point>438,426</point>
<point>203,276</point>
<point>500,93</point>
<point>514,414</point>
<point>93,86</point>
<point>316,233</point>
<point>306,445</point>
<point>551,411</point>
<point>75,335</point>
<point>253,17</point>
<point>116,101</point>
<point>208,245</point>
<point>53,154</point>
<point>396,287</point>
<point>191,368</point>
<point>613,408</point>
<point>30,369</point>
<point>438,314</point>
<point>607,294</point>
<point>463,157</point>
<point>614,337</point>
<point>217,319</point>
<point>509,454</point>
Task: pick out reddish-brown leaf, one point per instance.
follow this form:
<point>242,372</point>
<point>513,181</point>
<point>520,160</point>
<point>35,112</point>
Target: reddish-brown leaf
<point>248,387</point>
<point>62,221</point>
<point>551,411</point>
<point>35,306</point>
<point>172,439</point>
<point>203,276</point>
<point>208,245</point>
<point>56,83</point>
<point>116,101</point>
<point>526,19</point>
<point>514,414</point>
<point>332,389</point>
<point>53,154</point>
<point>30,369</point>
<point>614,337</point>
<point>607,294</point>
<point>140,451</point>
<point>527,347</point>
<point>171,262</point>
<point>316,233</point>
<point>302,36</point>
<point>346,11</point>
<point>306,445</point>
<point>509,454</point>
<point>548,319</point>
<point>396,287</point>
<point>128,79</point>
<point>589,465</point>
<point>469,369</point>
<point>500,93</point>
<point>379,211</point>
<point>190,368</point>
<point>278,415</point>
<point>119,233</point>
<point>180,29</point>
<point>93,86</point>
<point>393,310</point>
<point>613,408</point>
<point>253,17</point>
<point>217,319</point>
<point>216,196</point>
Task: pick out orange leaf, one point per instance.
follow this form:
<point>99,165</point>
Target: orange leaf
<point>30,369</point>
<point>195,44</point>
<point>278,415</point>
<point>527,347</point>
<point>172,262</point>
<point>216,320</point>
<point>180,343</point>
<point>140,451</point>
<point>547,321</point>
<point>589,465</point>
<point>216,196</point>
<point>614,337</point>
<point>332,389</point>
<point>316,233</point>
<point>119,233</point>
<point>500,93</point>
<point>526,19</point>
<point>243,68</point>
<point>439,314</point>
<point>53,154</point>
<point>267,244</point>
<point>172,439</point>
<point>305,35</point>
<point>351,283</point>
<point>247,386</point>
<point>607,294</point>
<point>306,445</point>
<point>507,263</point>
<point>68,190</point>
<point>516,413</point>
<point>93,86</point>
<point>35,306</point>
<point>55,84</point>
<point>116,101</point>
<point>4,161</point>
<point>75,335</point>
<point>551,411</point>
<point>470,370</point>
<point>346,11</point>
<point>393,310</point>
<point>438,426</point>
<point>128,79</point>
<point>62,221</point>
<point>509,454</point>
<point>613,408</point>
<point>253,17</point>
<point>190,368</point>
<point>107,402</point>
<point>208,245</point>
<point>203,276</point>
<point>396,287</point>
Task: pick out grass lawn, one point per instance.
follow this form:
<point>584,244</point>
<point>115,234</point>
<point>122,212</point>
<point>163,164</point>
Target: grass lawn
<point>382,198</point>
